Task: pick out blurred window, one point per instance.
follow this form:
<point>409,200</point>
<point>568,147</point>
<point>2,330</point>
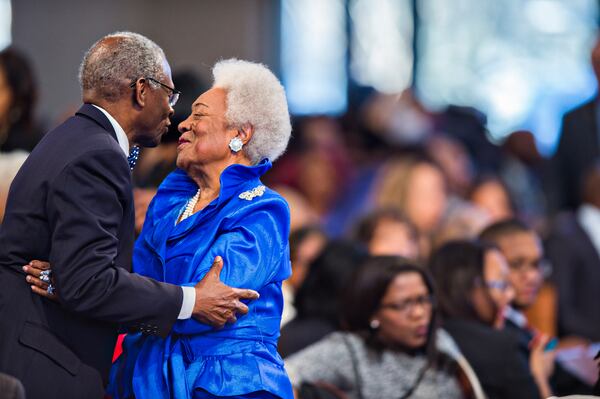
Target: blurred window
<point>5,23</point>
<point>522,62</point>
<point>313,55</point>
<point>381,44</point>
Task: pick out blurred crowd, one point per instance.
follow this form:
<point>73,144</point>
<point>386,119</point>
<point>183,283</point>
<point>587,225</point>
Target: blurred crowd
<point>428,261</point>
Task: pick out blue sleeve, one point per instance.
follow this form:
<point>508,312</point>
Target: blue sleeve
<point>255,253</point>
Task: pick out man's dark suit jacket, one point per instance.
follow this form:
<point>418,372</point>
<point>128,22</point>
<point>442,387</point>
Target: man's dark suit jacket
<point>71,204</point>
<point>578,148</point>
<point>496,359</point>
<point>576,274</point>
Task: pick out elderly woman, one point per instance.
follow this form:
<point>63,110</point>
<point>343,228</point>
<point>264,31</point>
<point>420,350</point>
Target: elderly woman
<point>391,348</point>
<point>216,205</point>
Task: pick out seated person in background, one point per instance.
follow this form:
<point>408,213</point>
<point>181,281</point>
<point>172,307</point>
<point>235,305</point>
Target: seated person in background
<point>9,166</point>
<point>522,248</point>
<point>18,95</point>
<point>573,249</point>
<point>387,232</point>
<point>390,348</point>
<point>415,186</point>
<point>490,194</point>
<point>18,131</point>
<point>317,301</point>
<point>473,293</point>
<point>306,244</point>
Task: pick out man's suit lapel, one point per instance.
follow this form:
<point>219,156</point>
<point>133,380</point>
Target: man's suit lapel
<point>93,113</point>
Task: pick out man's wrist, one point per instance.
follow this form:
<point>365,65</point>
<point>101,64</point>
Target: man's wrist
<point>187,305</point>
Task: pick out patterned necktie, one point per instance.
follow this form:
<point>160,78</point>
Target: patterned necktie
<point>133,156</point>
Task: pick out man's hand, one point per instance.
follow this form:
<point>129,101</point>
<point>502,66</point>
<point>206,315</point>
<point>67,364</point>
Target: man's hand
<point>217,303</point>
<point>40,285</point>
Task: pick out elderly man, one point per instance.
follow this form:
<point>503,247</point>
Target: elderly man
<point>71,204</point>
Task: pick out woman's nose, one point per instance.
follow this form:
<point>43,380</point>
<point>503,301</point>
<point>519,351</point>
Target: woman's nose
<point>183,126</point>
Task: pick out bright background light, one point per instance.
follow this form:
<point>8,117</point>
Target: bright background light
<point>5,23</point>
<point>381,44</point>
<point>313,55</point>
<point>522,62</point>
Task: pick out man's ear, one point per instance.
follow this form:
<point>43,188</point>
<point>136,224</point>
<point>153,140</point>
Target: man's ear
<point>245,132</point>
<point>140,92</point>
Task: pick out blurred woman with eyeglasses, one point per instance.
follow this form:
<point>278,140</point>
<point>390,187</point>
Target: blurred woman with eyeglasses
<point>471,279</point>
<point>389,348</point>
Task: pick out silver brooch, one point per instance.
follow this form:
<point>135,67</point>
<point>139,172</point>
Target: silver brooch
<point>257,191</point>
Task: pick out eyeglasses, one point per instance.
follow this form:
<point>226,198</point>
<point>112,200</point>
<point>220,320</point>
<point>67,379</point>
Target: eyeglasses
<point>408,305</point>
<point>523,265</point>
<point>501,285</point>
<point>174,93</point>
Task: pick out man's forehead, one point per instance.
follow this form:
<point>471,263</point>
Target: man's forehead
<point>520,243</point>
<point>166,68</point>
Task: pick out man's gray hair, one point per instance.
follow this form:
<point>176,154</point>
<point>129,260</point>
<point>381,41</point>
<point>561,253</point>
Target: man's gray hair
<point>109,66</point>
<point>255,97</point>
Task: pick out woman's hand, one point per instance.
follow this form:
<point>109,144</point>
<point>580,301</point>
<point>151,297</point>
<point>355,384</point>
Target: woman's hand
<point>541,362</point>
<point>39,276</point>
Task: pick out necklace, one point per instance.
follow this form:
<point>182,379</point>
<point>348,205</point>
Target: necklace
<point>189,207</point>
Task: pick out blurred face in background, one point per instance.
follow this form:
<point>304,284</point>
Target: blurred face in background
<point>493,199</point>
<point>6,98</point>
<point>454,159</point>
<point>392,237</point>
<point>493,295</point>
<point>306,252</point>
<point>524,254</point>
<point>405,312</point>
<point>426,197</point>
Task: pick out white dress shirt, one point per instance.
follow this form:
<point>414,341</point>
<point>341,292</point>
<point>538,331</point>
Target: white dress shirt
<point>588,217</point>
<point>189,293</point>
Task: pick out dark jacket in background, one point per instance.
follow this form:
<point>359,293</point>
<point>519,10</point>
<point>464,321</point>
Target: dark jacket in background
<point>576,274</point>
<point>495,356</point>
<point>578,148</point>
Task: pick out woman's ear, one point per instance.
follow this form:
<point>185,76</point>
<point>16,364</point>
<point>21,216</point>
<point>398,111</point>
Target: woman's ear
<point>245,133</point>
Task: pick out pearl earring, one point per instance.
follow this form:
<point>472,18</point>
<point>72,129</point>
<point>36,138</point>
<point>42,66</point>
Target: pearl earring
<point>374,324</point>
<point>236,144</point>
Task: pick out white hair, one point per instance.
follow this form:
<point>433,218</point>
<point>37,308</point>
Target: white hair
<point>108,68</point>
<point>256,97</point>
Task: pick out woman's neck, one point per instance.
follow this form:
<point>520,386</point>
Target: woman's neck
<point>208,179</point>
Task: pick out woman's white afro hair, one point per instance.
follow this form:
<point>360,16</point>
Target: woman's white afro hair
<point>256,97</point>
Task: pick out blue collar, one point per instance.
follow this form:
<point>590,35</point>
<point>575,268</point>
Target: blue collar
<point>233,179</point>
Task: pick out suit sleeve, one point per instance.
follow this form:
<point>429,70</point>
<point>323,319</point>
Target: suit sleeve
<point>518,380</point>
<point>568,269</point>
<point>556,172</point>
<point>254,251</point>
<point>85,206</point>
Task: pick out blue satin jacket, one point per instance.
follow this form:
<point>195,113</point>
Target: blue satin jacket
<point>248,225</point>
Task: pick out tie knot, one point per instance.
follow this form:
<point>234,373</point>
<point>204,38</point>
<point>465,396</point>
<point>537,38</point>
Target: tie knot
<point>133,156</point>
